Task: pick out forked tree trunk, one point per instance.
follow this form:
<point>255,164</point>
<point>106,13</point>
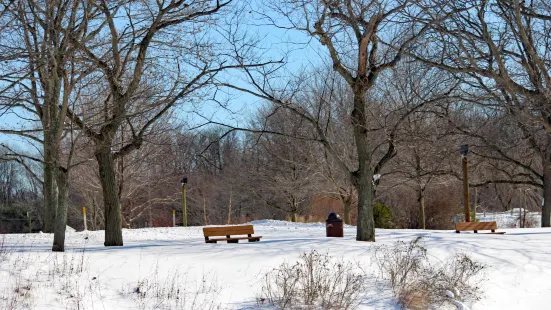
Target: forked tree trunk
<point>113,232</point>
<point>61,214</point>
<point>421,202</point>
<point>546,212</point>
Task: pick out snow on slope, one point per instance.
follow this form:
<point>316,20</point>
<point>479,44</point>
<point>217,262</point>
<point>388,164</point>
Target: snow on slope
<point>91,276</point>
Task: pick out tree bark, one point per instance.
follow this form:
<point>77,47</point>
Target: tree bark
<point>546,211</point>
<point>363,177</point>
<point>366,224</point>
<point>61,214</point>
<point>50,197</point>
<point>106,163</point>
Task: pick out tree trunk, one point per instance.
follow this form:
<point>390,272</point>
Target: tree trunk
<point>50,187</point>
<point>50,197</point>
<point>95,216</point>
<point>421,201</point>
<point>363,177</point>
<point>347,206</point>
<point>546,212</point>
<point>366,224</point>
<point>113,228</point>
<point>61,214</point>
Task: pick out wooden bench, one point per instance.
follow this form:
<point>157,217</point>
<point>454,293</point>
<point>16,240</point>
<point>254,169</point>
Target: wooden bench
<point>228,232</point>
<point>476,226</point>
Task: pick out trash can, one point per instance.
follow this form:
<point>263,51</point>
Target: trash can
<point>334,225</point>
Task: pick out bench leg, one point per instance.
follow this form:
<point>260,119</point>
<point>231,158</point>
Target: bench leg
<point>493,230</point>
<point>457,231</point>
<point>233,241</point>
<point>254,240</point>
<point>476,231</point>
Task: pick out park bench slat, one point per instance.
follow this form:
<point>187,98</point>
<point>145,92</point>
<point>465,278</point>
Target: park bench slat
<point>475,226</point>
<point>228,230</point>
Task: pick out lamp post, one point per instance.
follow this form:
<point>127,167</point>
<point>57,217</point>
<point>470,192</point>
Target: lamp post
<point>464,150</point>
<point>184,207</point>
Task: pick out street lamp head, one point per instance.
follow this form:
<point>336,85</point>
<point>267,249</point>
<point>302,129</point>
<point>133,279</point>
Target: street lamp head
<point>184,180</point>
<point>464,150</point>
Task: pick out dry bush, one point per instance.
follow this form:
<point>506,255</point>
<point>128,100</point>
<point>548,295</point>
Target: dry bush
<point>16,293</point>
<point>176,292</point>
<point>63,273</point>
<point>4,250</point>
<point>316,281</point>
<point>419,284</point>
<point>509,222</point>
<point>531,221</point>
<point>17,296</point>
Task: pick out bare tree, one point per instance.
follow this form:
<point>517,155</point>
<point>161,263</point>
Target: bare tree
<point>501,47</point>
<point>43,84</point>
<point>159,41</point>
<point>286,172</point>
<point>350,32</point>
<point>426,142</point>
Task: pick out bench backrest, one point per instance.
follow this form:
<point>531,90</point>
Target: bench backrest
<point>475,226</point>
<point>228,230</point>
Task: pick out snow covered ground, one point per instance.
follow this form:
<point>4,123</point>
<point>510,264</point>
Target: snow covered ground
<point>147,270</point>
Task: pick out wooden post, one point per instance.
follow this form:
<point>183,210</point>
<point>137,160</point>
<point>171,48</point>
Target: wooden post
<point>84,218</point>
<point>184,206</point>
<point>466,189</point>
<point>173,218</point>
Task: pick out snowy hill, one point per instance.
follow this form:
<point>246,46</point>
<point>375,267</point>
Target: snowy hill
<point>158,262</point>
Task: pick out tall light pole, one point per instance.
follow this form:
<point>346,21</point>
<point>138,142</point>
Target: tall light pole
<point>184,206</point>
<point>464,150</point>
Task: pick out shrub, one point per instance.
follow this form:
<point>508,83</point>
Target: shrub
<point>382,215</point>
<point>176,291</point>
<point>316,281</point>
<point>418,284</point>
